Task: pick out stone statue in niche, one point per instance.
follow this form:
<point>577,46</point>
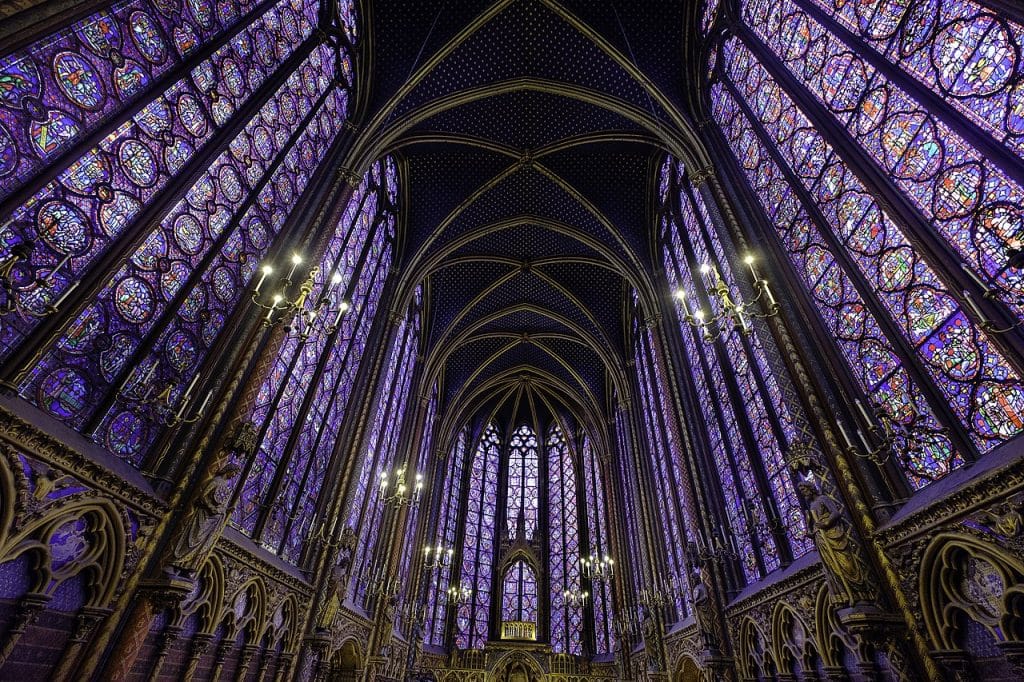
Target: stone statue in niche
<point>202,524</point>
<point>652,641</point>
<point>703,611</point>
<point>848,577</point>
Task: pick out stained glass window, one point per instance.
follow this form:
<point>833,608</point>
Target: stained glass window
<point>924,140</point>
<point>152,325</point>
<point>381,457</point>
<point>566,615</point>
<point>298,418</point>
<point>746,443</point>
<point>665,455</point>
<point>96,198</point>
<point>448,517</point>
<point>478,541</point>
<point>522,482</point>
<point>597,534</point>
<point>519,593</point>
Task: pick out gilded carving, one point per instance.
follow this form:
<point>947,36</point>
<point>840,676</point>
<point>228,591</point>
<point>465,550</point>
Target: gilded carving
<point>848,576</point>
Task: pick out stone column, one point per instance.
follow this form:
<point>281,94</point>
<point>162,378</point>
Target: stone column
<point>28,609</point>
<point>201,642</point>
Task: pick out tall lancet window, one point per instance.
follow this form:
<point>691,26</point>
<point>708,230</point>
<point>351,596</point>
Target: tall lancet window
<point>665,456</point>
<point>246,133</point>
<point>519,593</point>
<point>448,518</point>
<point>597,533</point>
<point>632,513</point>
<point>828,107</point>
<point>478,541</point>
<point>523,477</point>
<point>381,454</point>
<point>301,403</point>
<point>749,420</point>
<point>566,613</point>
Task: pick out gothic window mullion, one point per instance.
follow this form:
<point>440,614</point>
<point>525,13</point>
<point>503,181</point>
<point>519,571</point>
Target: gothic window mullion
<point>655,468</point>
<point>937,404</point>
<point>754,366</point>
<point>745,340</point>
<point>369,511</point>
<point>171,309</point>
<point>673,555</point>
<point>914,223</point>
<point>683,384</point>
<point>723,428</point>
<point>752,447</point>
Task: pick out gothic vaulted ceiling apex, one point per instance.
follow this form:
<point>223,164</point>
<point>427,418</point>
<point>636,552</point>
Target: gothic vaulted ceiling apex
<point>530,132</point>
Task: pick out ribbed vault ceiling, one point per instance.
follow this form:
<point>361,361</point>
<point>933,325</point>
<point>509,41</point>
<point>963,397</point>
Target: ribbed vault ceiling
<point>528,132</point>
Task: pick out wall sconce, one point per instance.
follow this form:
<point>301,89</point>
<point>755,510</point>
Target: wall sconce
<point>730,314</point>
<point>576,597</point>
<point>283,304</point>
<point>399,494</point>
<point>159,404</point>
<point>23,290</point>
<point>597,568</point>
<point>893,436</point>
<point>437,557</point>
<point>459,595</point>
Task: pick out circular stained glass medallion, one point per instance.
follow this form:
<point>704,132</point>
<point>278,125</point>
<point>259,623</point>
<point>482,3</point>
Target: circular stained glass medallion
<point>139,163</point>
<point>63,393</point>
<point>126,435</point>
<point>64,228</point>
<point>133,298</point>
<point>188,233</point>
<point>180,351</point>
<point>147,38</point>
<point>77,79</point>
<point>191,115</point>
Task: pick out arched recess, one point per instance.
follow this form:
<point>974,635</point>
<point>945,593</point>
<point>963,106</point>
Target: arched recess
<point>687,670</point>
<point>792,644</point>
<point>347,662</point>
<point>248,608</point>
<point>965,578</point>
<point>207,597</point>
<point>505,666</point>
<point>827,633</point>
<point>90,533</point>
<point>755,655</point>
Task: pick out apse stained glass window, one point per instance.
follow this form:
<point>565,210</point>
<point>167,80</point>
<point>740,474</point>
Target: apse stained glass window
<point>381,450</point>
<point>597,534</point>
<point>448,518</point>
<point>297,417</point>
<point>519,593</point>
<point>478,541</point>
<point>947,139</point>
<point>522,482</point>
<point>566,614</point>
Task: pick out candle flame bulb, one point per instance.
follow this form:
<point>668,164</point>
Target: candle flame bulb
<point>336,278</point>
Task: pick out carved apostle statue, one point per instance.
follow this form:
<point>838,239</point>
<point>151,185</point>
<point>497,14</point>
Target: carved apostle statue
<point>202,524</point>
<point>848,576</point>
